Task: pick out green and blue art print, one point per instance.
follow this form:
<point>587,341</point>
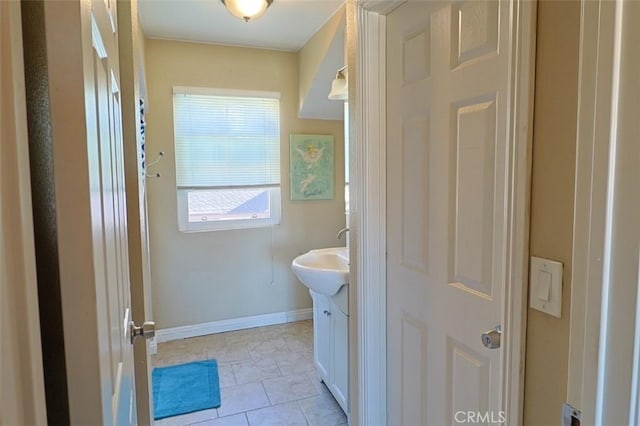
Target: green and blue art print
<point>311,167</point>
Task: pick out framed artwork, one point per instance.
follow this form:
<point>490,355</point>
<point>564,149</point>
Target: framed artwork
<point>311,160</point>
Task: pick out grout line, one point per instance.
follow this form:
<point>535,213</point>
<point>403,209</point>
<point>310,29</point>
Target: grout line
<point>266,393</point>
<point>303,412</point>
<point>279,367</point>
<point>233,373</point>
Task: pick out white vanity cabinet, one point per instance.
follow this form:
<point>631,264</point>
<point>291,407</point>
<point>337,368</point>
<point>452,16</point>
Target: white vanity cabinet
<point>331,342</point>
<point>322,335</point>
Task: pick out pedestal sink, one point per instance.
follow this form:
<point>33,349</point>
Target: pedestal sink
<point>324,271</point>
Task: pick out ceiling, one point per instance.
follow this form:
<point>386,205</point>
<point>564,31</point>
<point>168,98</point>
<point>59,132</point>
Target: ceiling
<point>287,24</point>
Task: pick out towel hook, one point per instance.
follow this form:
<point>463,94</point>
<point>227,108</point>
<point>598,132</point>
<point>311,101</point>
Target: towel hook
<point>155,175</point>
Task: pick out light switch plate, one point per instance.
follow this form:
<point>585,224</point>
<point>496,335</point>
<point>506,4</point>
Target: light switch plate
<point>545,286</point>
<point>570,416</point>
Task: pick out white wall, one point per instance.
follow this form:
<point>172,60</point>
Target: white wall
<point>202,277</point>
<point>319,60</point>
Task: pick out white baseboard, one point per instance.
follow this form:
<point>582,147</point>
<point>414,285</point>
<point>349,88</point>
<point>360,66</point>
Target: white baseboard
<point>152,348</point>
<point>203,329</point>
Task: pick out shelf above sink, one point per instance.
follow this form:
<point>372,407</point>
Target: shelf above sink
<point>324,271</point>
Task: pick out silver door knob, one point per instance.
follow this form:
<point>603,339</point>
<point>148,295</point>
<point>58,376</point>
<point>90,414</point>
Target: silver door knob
<point>147,330</point>
<point>491,338</point>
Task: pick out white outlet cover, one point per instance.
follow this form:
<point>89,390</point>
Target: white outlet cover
<point>545,286</point>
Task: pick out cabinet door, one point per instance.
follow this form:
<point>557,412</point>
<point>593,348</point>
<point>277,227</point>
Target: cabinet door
<point>340,361</point>
<point>322,335</point>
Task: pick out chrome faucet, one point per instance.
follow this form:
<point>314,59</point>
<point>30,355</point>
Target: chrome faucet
<point>342,231</point>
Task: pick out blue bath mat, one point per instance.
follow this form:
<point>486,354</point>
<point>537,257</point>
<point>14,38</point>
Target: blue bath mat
<point>185,388</point>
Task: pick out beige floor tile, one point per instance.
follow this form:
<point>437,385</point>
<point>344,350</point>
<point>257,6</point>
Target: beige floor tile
<point>288,329</point>
<point>255,371</point>
<point>322,410</point>
<point>210,341</point>
<point>288,414</point>
<point>240,398</point>
<point>303,327</point>
<point>319,384</point>
<point>250,336</point>
<point>171,421</point>
<point>299,342</point>
<point>289,388</point>
<point>174,356</point>
<point>235,420</point>
<point>269,349</point>
<point>271,332</point>
<point>296,362</point>
<point>230,353</point>
<point>173,345</point>
<point>226,376</point>
<point>187,419</point>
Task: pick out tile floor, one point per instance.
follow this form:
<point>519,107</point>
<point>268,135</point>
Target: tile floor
<point>267,378</point>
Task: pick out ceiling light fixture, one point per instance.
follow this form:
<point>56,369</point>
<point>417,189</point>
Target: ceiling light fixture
<point>247,10</point>
<point>339,88</point>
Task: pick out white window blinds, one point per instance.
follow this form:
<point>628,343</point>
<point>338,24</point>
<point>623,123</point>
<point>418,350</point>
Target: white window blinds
<point>226,139</point>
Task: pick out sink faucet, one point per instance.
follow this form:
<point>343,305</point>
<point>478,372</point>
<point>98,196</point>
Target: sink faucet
<point>342,231</point>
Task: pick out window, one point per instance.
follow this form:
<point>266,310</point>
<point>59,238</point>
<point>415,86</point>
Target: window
<point>227,158</point>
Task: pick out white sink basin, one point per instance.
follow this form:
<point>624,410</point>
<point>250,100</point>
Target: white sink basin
<point>323,270</point>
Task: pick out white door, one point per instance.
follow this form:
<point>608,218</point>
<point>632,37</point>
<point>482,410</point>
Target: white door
<point>448,166</point>
<point>82,52</point>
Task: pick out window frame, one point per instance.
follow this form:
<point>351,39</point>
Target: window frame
<point>275,192</point>
<point>228,224</point>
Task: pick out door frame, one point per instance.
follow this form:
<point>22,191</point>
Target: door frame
<point>595,78</point>
<point>368,217</point>
<point>592,349</point>
<point>23,395</point>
